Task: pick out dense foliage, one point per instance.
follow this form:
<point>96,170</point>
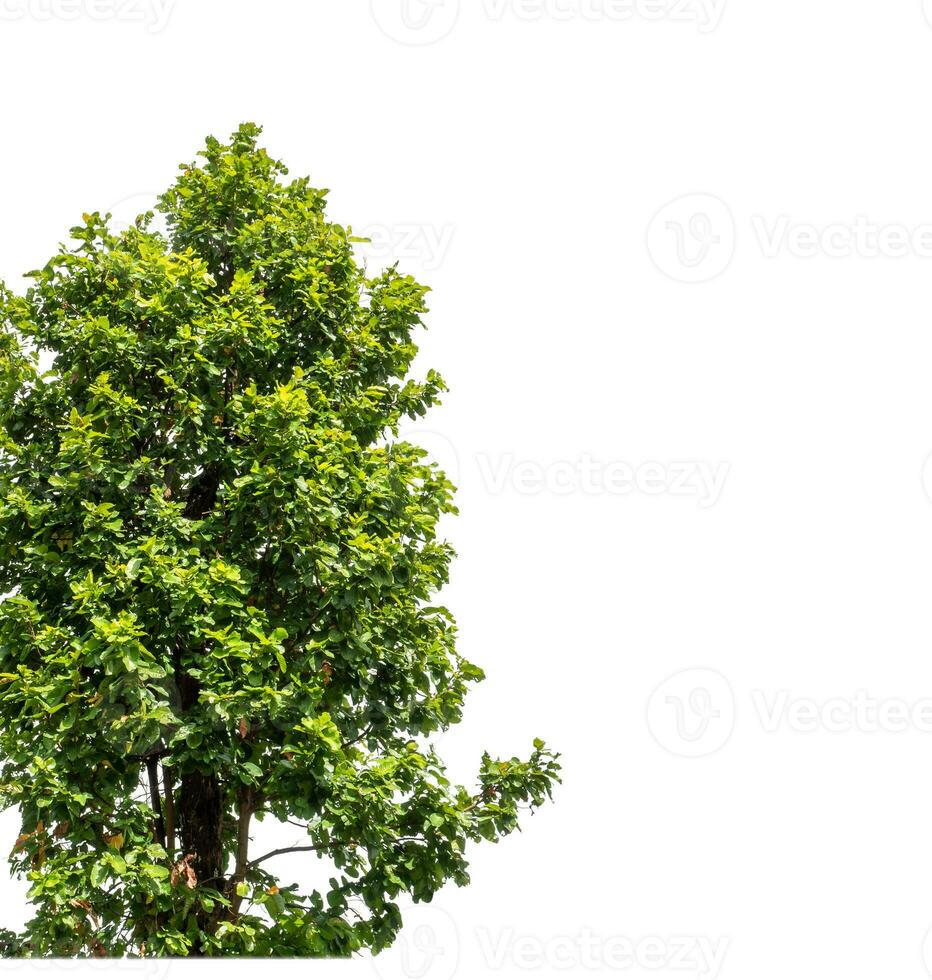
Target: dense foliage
<point>219,562</point>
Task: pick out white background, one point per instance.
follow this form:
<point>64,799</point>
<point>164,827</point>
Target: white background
<point>773,324</point>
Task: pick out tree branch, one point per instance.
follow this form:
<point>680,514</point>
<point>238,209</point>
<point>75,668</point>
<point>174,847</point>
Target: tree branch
<point>363,734</point>
<point>242,847</point>
<point>152,764</point>
<point>325,847</point>
<point>168,778</point>
<point>294,850</point>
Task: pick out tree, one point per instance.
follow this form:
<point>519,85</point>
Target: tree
<point>219,562</point>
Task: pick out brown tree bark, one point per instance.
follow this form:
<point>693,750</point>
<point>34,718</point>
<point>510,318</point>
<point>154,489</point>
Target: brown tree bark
<point>199,809</point>
<point>168,778</point>
<point>200,819</point>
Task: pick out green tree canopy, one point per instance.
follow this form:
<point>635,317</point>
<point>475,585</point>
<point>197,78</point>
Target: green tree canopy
<point>220,564</point>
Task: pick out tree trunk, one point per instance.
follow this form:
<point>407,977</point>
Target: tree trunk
<point>200,817</point>
<point>199,807</point>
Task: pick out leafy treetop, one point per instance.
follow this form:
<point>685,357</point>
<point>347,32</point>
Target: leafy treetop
<point>219,562</point>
